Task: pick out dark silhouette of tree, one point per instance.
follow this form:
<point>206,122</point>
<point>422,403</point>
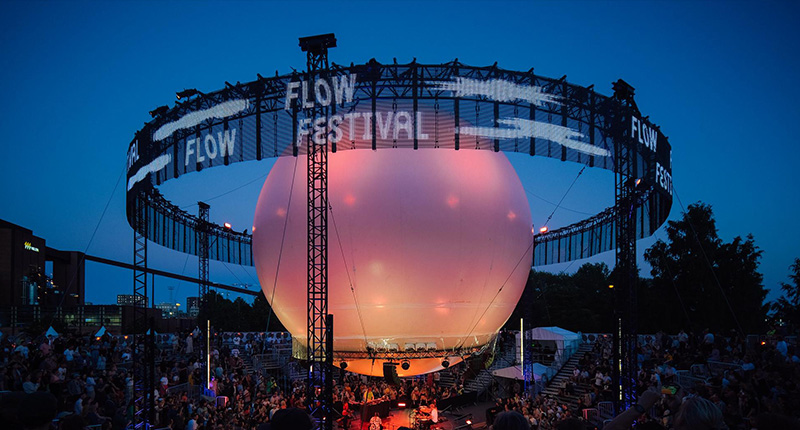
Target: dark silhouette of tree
<point>238,315</point>
<point>699,281</point>
<point>787,307</point>
<point>578,302</point>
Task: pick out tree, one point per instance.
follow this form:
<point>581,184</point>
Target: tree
<point>787,307</point>
<point>700,282</point>
<point>578,302</point>
<point>238,315</point>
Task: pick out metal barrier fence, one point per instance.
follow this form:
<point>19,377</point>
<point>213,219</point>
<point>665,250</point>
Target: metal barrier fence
<point>590,414</point>
<point>719,367</point>
<point>605,409</point>
<point>688,381</point>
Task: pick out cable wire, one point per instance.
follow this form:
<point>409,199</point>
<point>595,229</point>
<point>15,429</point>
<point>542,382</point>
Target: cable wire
<point>708,262</point>
<point>347,270</point>
<point>564,196</point>
<point>229,191</point>
<point>86,249</point>
<point>280,253</point>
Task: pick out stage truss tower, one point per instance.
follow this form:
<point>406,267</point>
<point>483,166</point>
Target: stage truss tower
<point>144,335</point>
<point>320,330</point>
<point>627,186</point>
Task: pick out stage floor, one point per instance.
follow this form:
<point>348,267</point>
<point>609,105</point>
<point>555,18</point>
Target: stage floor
<point>403,418</point>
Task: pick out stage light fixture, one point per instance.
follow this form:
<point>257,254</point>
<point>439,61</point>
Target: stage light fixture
<point>343,365</point>
<point>610,286</point>
<point>186,93</point>
<point>445,363</point>
<point>405,365</point>
<point>317,43</point>
<point>161,110</point>
<point>543,230</point>
<point>228,225</point>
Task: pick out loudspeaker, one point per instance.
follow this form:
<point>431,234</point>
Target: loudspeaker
<point>390,373</point>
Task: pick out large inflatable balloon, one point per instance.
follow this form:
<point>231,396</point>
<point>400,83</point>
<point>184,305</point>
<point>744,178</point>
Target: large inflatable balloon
<point>427,250</point>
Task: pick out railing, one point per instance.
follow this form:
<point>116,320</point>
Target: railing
<point>590,414</point>
<point>605,409</point>
<point>719,367</point>
<point>687,381</point>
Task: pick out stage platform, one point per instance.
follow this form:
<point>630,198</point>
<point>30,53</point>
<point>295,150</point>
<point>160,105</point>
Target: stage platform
<point>403,418</point>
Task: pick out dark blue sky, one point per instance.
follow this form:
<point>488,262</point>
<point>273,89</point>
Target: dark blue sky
<point>78,79</point>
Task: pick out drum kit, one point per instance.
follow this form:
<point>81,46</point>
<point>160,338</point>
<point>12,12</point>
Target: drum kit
<point>421,418</point>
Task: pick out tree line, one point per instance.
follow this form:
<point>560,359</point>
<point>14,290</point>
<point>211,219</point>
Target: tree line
<point>697,281</point>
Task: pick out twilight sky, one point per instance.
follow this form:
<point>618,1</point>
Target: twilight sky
<point>78,79</point>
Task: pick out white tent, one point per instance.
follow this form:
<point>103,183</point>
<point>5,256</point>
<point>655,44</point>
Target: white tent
<point>566,342</point>
<point>515,372</point>
<point>51,332</point>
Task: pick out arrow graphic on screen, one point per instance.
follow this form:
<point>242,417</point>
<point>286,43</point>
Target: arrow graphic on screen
<point>497,89</point>
<point>152,167</point>
<point>524,128</point>
<point>220,111</point>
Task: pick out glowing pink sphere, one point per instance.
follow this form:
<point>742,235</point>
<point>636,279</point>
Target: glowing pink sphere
<point>426,247</point>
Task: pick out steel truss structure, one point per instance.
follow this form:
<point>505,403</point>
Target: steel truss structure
<point>268,127</point>
<point>319,346</point>
<point>144,340</point>
<point>626,181</point>
<point>202,259</point>
<point>450,106</point>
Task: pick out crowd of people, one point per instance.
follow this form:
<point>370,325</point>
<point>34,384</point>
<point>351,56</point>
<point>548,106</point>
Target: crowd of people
<point>90,384</point>
<point>746,384</point>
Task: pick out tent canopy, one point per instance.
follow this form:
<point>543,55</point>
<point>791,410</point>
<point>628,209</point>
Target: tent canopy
<point>554,333</point>
<point>515,372</point>
<point>566,342</point>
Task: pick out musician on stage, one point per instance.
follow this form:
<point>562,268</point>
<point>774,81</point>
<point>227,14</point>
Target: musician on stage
<point>375,422</point>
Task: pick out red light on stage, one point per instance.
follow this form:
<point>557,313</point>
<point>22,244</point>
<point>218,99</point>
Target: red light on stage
<point>468,422</point>
<point>543,229</point>
<point>228,225</point>
<point>401,405</point>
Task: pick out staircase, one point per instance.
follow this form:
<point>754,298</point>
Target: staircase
<point>502,359</point>
<point>560,380</point>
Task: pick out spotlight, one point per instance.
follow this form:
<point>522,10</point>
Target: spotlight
<point>611,286</point>
<point>405,365</point>
<point>343,365</point>
<point>161,110</point>
<point>228,225</point>
<point>186,93</point>
<point>543,229</point>
<point>445,363</point>
<point>468,421</point>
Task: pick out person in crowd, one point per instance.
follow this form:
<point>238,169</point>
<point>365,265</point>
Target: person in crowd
<point>510,420</point>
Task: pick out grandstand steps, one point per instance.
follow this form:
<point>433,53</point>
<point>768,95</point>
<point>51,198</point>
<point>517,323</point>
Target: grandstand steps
<point>556,388</point>
<point>504,357</point>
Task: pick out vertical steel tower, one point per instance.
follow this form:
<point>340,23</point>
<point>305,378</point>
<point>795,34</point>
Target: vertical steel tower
<point>320,330</point>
